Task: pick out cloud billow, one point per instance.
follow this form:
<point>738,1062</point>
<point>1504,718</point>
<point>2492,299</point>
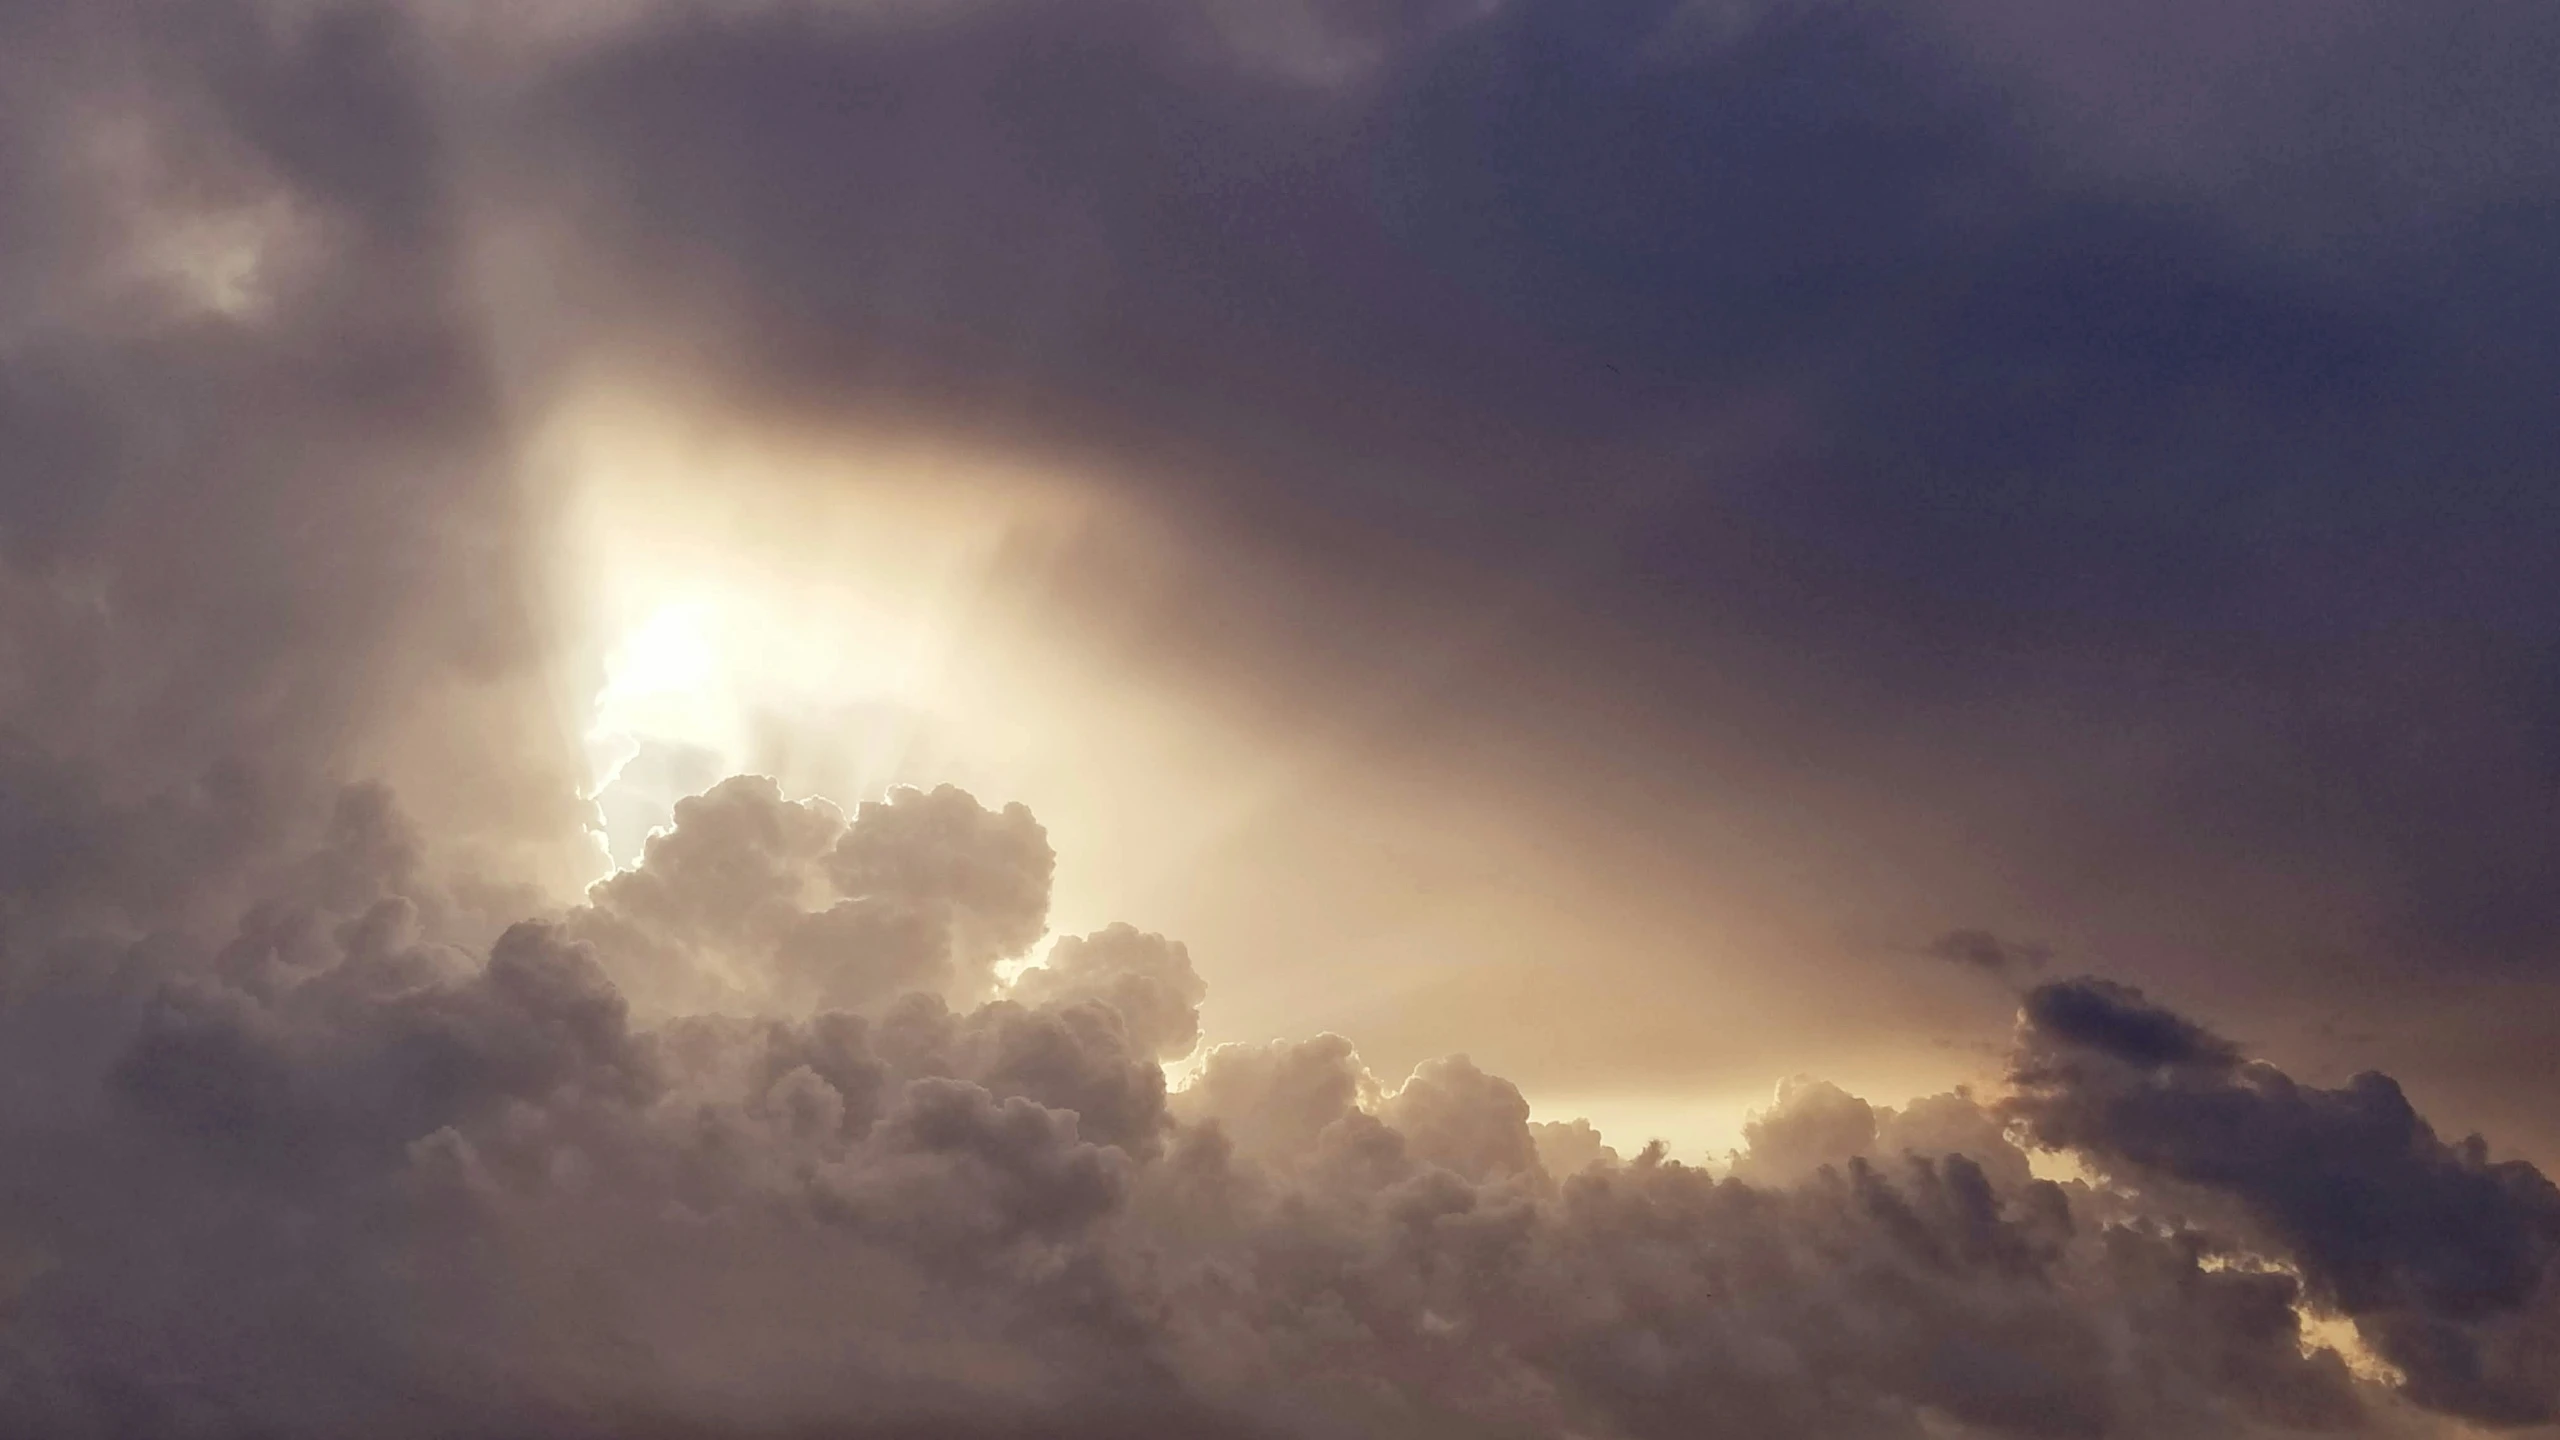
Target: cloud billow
<point>2448,1261</point>
<point>513,1202</point>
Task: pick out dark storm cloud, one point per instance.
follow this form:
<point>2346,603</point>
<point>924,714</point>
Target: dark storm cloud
<point>2113,1020</point>
<point>1805,349</point>
<point>2449,1261</point>
<point>2119,461</point>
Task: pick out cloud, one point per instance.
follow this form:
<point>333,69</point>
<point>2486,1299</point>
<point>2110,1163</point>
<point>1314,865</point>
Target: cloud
<point>510,1202</point>
<point>1145,979</point>
<point>1982,950</point>
<point>258,528</point>
<point>2448,1261</point>
<point>939,848</point>
<point>1568,1147</point>
<point>1811,399</point>
<point>1838,331</point>
<point>926,891</point>
<point>1812,404</point>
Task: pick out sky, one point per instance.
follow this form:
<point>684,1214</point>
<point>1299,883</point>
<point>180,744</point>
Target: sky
<point>1279,718</point>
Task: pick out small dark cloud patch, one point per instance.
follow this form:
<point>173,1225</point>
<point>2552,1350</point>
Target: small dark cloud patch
<point>2116,1021</point>
<point>1990,953</point>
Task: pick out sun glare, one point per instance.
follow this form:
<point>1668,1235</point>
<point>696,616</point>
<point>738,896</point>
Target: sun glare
<point>669,654</point>
<point>724,671</point>
<point>803,610</point>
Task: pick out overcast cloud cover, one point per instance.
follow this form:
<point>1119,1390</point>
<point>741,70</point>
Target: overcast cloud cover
<point>2066,480</point>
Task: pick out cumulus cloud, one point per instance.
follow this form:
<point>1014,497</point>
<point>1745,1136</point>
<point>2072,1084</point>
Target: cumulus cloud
<point>334,1172</point>
<point>1145,979</point>
<point>752,900</point>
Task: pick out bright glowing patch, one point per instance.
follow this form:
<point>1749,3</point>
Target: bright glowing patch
<point>669,653</point>
<point>2337,1332</point>
<point>2320,1330</point>
<point>811,611</point>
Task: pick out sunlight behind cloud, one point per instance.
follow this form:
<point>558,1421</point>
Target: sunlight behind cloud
<point>746,603</point>
<point>845,613</point>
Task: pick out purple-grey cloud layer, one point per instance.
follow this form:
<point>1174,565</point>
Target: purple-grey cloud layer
<point>1812,391</point>
<point>333,1175</point>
